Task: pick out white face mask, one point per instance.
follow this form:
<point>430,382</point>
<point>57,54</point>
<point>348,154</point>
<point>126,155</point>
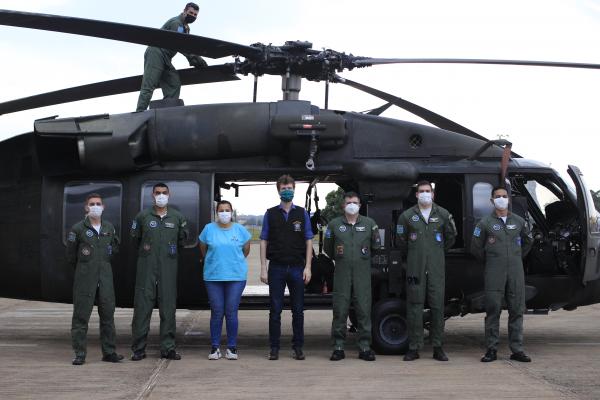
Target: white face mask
<point>224,217</point>
<point>161,200</point>
<point>425,198</point>
<point>96,211</point>
<point>501,203</point>
<point>352,209</point>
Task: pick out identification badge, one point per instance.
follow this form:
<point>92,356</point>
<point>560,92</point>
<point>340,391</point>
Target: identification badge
<point>339,250</point>
<point>518,241</point>
<point>153,224</point>
<point>109,250</point>
<point>297,226</point>
<point>413,236</point>
<point>438,237</point>
<point>496,227</point>
<point>172,249</point>
<point>415,218</point>
<point>400,229</point>
<point>492,239</point>
<point>364,251</point>
<point>89,233</point>
<point>169,225</point>
<point>511,227</point>
<point>360,229</point>
<point>477,232</point>
<point>343,228</point>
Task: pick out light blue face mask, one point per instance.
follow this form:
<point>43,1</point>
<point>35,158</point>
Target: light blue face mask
<point>286,195</point>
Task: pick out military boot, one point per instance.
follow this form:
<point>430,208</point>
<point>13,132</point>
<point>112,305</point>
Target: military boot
<point>79,360</point>
<point>520,356</point>
<point>411,355</point>
<point>438,354</point>
<point>490,355</point>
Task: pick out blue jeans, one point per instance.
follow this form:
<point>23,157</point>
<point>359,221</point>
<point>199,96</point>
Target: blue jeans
<point>224,298</point>
<point>279,277</point>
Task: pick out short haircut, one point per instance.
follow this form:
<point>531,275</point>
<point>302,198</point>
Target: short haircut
<point>91,196</point>
<point>423,183</point>
<point>159,185</point>
<point>496,188</point>
<point>350,194</point>
<point>192,5</point>
<point>221,202</point>
<point>285,180</point>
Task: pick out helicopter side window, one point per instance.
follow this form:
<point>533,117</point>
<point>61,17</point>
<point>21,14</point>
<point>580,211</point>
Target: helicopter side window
<point>184,196</point>
<point>74,198</point>
<point>482,206</point>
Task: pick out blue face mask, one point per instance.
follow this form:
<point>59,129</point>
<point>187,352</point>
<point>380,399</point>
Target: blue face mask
<point>286,195</point>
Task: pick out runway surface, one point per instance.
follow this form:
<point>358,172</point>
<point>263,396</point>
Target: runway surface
<point>36,361</point>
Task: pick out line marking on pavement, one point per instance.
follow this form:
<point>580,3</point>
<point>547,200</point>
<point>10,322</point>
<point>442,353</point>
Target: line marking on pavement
<point>18,344</point>
<point>153,380</point>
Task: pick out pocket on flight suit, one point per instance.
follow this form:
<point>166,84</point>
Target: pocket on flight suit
<point>414,289</point>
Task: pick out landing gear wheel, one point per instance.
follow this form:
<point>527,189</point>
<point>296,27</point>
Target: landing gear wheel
<point>390,328</point>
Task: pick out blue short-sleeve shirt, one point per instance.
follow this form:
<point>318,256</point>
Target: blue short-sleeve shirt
<point>225,259</point>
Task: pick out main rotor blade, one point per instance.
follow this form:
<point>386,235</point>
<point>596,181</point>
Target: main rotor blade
<point>427,115</point>
<point>378,61</point>
<point>190,76</point>
<point>192,44</point>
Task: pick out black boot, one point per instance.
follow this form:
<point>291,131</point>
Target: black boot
<point>367,355</point>
<point>438,354</point>
<point>171,355</point>
<point>138,355</point>
<point>114,358</point>
<point>411,355</point>
<point>490,355</point>
<point>79,360</point>
<point>337,355</point>
<point>274,354</point>
<point>520,357</point>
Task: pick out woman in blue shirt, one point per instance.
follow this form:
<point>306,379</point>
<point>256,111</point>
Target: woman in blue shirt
<point>224,245</point>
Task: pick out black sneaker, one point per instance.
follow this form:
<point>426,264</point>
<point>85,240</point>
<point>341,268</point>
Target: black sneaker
<point>298,354</point>
<point>337,355</point>
<point>274,354</point>
<point>490,355</point>
<point>114,358</point>
<point>520,357</point>
<point>171,355</point>
<point>78,360</point>
<point>411,355</point>
<point>367,355</point>
<point>438,354</point>
<point>138,355</point>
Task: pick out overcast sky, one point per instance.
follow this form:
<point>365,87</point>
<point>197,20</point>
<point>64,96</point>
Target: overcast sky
<point>550,114</point>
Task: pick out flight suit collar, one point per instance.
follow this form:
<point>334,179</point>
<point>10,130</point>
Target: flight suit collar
<point>358,220</point>
<point>509,217</point>
<point>88,224</point>
<point>153,212</point>
<point>417,211</point>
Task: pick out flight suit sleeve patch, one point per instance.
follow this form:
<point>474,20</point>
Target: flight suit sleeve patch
<point>184,224</point>
<point>518,241</point>
<point>72,237</point>
<point>477,232</point>
<point>438,237</point>
<point>400,229</point>
<point>328,233</point>
<point>134,224</point>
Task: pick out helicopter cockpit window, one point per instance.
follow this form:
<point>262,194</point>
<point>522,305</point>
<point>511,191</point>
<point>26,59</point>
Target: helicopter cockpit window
<point>482,206</point>
<point>542,195</point>
<point>184,196</point>
<point>74,199</point>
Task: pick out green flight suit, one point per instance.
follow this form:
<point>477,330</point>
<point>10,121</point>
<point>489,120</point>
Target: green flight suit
<point>159,241</point>
<point>158,69</point>
<point>90,252</point>
<point>350,246</point>
<point>424,244</point>
<point>503,247</point>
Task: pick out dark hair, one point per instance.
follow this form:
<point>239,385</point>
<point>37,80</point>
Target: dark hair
<point>423,183</point>
<point>91,196</point>
<point>350,194</point>
<point>220,202</point>
<point>160,185</point>
<point>192,5</point>
<point>284,180</point>
<point>496,188</point>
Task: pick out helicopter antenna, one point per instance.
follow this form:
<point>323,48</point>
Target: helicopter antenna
<point>255,88</point>
<point>327,94</point>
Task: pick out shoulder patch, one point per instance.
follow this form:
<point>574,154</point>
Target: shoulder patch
<point>477,232</point>
<point>72,237</point>
<point>328,233</point>
<point>400,229</point>
<point>134,224</point>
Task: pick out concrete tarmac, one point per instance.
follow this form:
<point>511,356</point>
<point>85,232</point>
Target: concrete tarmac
<point>36,361</point>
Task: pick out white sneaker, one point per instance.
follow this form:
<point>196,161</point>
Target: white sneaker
<point>215,354</point>
<point>231,354</point>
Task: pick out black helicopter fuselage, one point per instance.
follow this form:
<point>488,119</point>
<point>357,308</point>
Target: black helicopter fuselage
<point>196,149</point>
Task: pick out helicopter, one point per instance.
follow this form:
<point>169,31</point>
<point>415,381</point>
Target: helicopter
<point>198,149</point>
